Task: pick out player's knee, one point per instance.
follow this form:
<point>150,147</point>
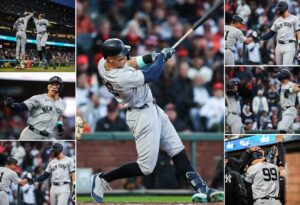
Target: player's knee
<point>147,168</point>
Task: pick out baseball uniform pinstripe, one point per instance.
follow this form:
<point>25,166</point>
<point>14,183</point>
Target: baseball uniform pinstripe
<point>42,35</point>
<point>7,176</point>
<point>233,112</point>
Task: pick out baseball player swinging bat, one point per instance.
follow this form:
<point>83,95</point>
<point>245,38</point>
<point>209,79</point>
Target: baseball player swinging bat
<point>200,22</point>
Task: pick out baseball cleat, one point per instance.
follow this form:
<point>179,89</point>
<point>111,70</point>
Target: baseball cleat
<point>215,195</point>
<point>99,186</point>
<point>197,182</point>
<point>199,198</point>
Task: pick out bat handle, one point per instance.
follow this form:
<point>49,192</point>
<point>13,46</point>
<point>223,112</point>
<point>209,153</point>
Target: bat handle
<point>182,38</point>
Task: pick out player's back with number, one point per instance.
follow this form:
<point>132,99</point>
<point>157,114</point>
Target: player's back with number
<point>126,84</point>
<point>6,177</point>
<point>264,178</point>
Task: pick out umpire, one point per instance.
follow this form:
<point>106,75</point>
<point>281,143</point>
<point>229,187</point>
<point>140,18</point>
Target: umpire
<point>235,193</point>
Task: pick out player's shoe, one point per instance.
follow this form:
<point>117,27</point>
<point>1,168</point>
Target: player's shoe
<point>198,185</point>
<point>214,195</point>
<point>99,186</point>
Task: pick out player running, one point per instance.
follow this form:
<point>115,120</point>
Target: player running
<point>127,79</point>
<point>8,175</point>
<point>288,96</point>
<point>285,28</point>
<point>263,177</point>
<point>62,171</point>
<point>21,25</point>
<point>45,112</point>
<point>41,25</point>
<point>233,34</point>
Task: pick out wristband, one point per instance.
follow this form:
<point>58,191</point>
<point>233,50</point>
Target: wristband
<point>291,90</point>
<point>59,123</point>
<point>140,62</point>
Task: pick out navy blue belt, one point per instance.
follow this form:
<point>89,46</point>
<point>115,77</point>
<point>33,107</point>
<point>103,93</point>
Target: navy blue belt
<point>43,133</point>
<point>286,42</point>
<point>139,108</point>
<point>59,183</point>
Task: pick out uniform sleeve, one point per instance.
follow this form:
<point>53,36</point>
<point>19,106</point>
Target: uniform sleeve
<point>240,190</point>
<point>274,27</point>
<point>15,178</point>
<point>35,20</point>
<point>240,36</point>
<point>32,102</point>
<point>47,22</point>
<point>48,169</point>
<point>249,176</point>
<point>72,166</point>
<point>297,24</point>
<point>132,79</point>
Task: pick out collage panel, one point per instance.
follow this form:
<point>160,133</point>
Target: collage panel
<point>262,100</point>
<point>262,169</point>
<point>163,96</point>
<point>37,106</point>
<point>262,32</point>
<point>37,36</point>
<point>25,169</point>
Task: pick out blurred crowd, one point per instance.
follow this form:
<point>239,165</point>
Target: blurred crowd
<point>32,157</point>
<point>61,56</point>
<point>258,15</point>
<point>190,89</point>
<point>260,96</point>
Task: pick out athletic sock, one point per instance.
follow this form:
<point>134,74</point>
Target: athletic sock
<point>182,163</point>
<point>131,169</point>
<point>40,55</point>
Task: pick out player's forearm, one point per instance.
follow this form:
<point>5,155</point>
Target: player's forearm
<point>268,35</point>
<point>42,177</point>
<point>154,70</point>
<point>23,182</point>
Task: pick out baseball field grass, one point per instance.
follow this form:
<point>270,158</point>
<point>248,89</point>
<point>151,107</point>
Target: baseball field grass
<point>40,69</point>
<point>138,199</point>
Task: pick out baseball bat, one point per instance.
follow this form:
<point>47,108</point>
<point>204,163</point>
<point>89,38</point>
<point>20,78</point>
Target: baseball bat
<point>200,22</point>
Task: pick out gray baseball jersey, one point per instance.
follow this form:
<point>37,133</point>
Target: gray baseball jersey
<point>21,23</point>
<point>264,180</point>
<point>285,29</point>
<point>41,25</point>
<point>289,112</point>
<point>233,112</point>
<point>7,176</point>
<point>232,35</point>
<point>148,123</point>
<point>60,171</point>
<point>291,98</point>
<point>44,112</point>
<point>126,84</point>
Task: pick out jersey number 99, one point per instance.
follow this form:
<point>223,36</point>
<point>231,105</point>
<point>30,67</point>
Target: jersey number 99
<point>270,174</point>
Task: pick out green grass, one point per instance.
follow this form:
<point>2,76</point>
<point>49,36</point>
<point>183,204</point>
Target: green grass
<point>40,69</point>
<point>140,199</point>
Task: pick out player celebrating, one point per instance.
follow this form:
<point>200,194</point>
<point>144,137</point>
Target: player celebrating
<point>285,27</point>
<point>288,96</point>
<point>46,111</point>
<point>8,175</point>
<point>148,123</point>
<point>20,25</point>
<point>233,107</point>
<point>41,25</point>
<point>263,177</point>
<point>62,169</point>
<point>232,35</point>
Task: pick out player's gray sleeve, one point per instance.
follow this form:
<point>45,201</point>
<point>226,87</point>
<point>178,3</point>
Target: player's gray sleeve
<point>47,23</point>
<point>241,36</point>
<point>14,177</point>
<point>35,20</point>
<point>71,166</point>
<point>297,25</point>
<point>32,102</point>
<point>48,169</point>
<point>132,79</point>
<point>274,27</point>
<point>15,26</point>
<point>249,176</point>
<point>28,17</point>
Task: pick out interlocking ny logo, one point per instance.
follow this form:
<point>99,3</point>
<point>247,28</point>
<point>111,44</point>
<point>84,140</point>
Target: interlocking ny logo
<point>228,178</point>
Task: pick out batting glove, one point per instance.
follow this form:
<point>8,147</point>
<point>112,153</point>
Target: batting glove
<point>298,57</point>
<point>8,101</point>
<point>167,53</point>
<point>29,178</point>
<point>255,36</point>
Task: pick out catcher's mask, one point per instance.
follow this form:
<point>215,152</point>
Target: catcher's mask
<point>56,149</point>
